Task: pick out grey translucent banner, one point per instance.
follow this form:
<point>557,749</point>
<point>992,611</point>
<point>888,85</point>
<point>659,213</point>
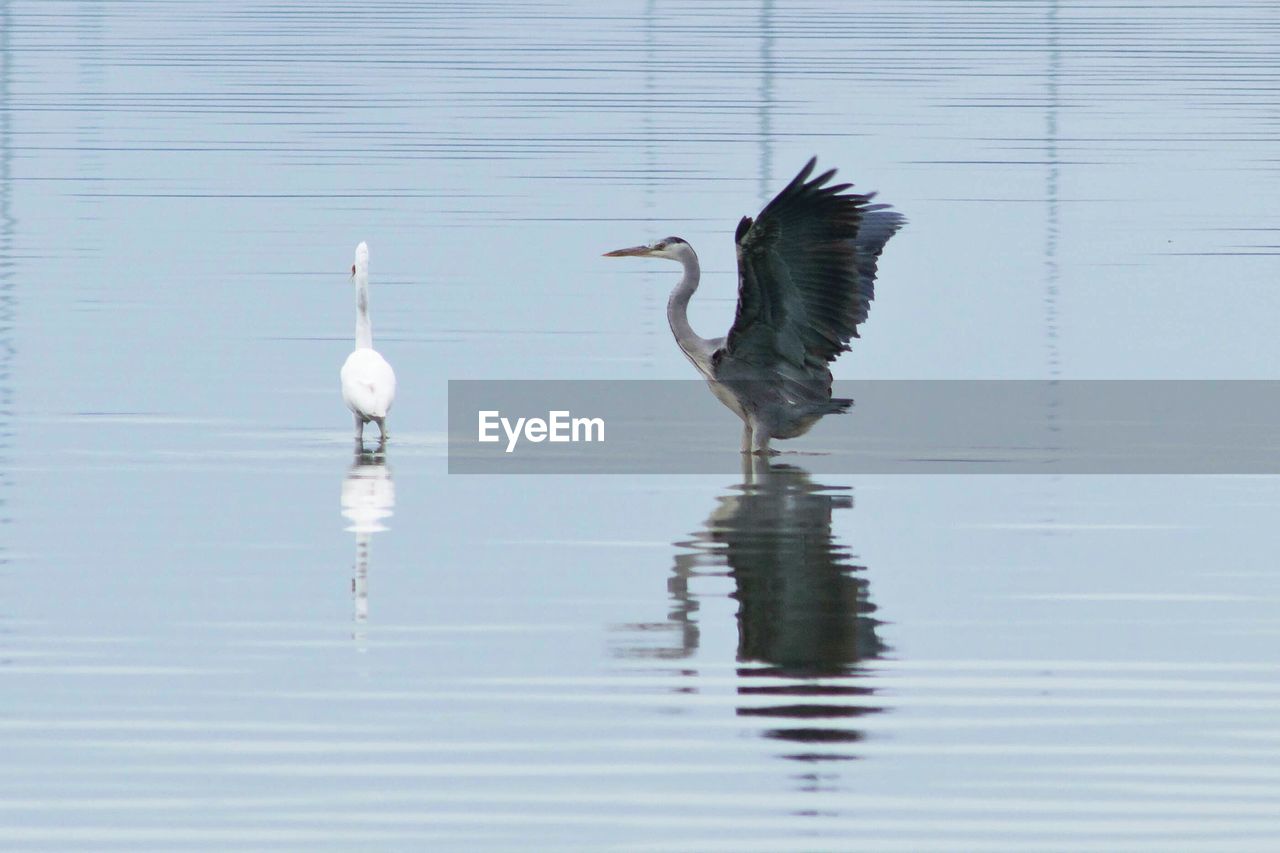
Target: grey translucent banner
<point>894,427</point>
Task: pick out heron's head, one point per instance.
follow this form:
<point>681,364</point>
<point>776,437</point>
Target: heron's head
<point>361,266</point>
<point>671,248</point>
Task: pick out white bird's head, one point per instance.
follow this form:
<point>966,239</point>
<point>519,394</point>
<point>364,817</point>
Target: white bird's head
<point>671,248</point>
<point>361,266</point>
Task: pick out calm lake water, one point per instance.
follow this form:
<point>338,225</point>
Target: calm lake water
<point>218,629</point>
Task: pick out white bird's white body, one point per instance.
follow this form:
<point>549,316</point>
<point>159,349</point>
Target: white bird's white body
<point>368,382</point>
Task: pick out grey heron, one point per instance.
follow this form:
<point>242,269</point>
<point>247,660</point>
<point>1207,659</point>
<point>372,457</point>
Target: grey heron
<point>806,278</point>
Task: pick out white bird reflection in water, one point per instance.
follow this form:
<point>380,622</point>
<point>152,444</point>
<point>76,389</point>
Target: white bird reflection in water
<point>368,497</point>
<point>805,619</point>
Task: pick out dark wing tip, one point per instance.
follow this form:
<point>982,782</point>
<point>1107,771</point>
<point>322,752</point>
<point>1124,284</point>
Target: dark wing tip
<point>743,227</point>
<point>800,179</point>
<point>804,186</point>
<point>823,178</point>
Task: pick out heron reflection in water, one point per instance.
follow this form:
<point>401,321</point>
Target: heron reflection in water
<point>805,619</point>
<point>368,498</point>
<point>804,614</point>
<point>806,278</point>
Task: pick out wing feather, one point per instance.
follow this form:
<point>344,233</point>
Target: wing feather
<point>806,278</point>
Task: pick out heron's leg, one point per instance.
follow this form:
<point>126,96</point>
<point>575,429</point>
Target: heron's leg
<point>382,431</point>
<point>359,430</point>
<point>746,436</point>
<point>760,442</point>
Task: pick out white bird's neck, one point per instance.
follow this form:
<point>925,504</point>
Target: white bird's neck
<point>364,329</point>
<point>678,307</point>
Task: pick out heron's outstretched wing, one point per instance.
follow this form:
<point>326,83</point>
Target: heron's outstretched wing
<point>806,278</point>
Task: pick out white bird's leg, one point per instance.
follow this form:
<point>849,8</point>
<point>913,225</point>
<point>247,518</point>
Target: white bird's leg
<point>382,431</point>
<point>359,430</point>
<point>746,436</point>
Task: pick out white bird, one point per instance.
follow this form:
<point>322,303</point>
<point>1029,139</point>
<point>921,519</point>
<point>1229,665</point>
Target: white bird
<point>368,382</point>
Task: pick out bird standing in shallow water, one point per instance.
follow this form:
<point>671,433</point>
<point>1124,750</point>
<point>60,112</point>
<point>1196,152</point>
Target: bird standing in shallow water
<point>368,382</point>
<point>806,278</point>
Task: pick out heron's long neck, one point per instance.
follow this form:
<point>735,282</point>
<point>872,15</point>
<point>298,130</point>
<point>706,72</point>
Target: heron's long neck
<point>678,307</point>
<point>364,330</point>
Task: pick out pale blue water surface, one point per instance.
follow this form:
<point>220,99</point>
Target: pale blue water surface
<point>218,632</point>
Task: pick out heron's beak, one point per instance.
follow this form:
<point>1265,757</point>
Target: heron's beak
<point>626,253</point>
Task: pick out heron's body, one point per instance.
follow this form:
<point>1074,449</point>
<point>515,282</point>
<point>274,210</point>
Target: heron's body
<point>806,275</point>
<point>368,382</point>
